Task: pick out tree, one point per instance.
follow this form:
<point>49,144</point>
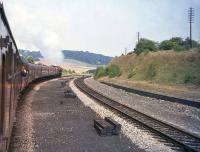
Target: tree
<point>166,45</point>
<point>175,43</point>
<point>145,45</point>
<point>30,59</point>
<point>177,40</point>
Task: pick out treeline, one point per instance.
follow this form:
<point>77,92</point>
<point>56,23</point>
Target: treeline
<point>36,55</point>
<point>87,57</point>
<point>175,43</point>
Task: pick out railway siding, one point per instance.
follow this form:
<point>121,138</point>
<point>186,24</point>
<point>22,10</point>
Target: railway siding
<point>188,102</point>
<point>185,117</point>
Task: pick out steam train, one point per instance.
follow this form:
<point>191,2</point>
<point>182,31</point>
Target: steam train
<point>15,75</point>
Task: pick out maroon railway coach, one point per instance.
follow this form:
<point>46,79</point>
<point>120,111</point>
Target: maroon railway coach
<point>15,75</point>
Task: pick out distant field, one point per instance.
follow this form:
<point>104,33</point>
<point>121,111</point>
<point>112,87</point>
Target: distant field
<point>72,64</point>
<point>79,63</point>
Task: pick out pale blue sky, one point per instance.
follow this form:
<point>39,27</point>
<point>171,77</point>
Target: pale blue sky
<point>100,26</point>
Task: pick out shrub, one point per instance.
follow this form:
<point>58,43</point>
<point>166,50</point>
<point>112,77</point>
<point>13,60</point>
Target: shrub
<point>177,40</point>
<point>131,73</point>
<point>191,78</point>
<point>176,44</point>
<point>113,71</point>
<point>188,78</point>
<point>151,72</point>
<point>100,72</point>
<point>166,45</point>
<point>145,45</point>
<point>178,48</point>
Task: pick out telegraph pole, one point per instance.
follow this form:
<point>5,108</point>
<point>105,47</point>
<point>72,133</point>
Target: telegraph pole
<point>125,51</point>
<point>138,36</point>
<point>191,20</point>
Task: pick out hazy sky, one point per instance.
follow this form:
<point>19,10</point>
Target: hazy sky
<point>100,26</point>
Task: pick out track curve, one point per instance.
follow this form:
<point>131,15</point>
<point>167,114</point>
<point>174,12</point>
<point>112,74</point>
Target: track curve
<point>185,141</point>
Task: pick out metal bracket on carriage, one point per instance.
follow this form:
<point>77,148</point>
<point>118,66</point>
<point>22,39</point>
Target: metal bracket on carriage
<point>4,42</point>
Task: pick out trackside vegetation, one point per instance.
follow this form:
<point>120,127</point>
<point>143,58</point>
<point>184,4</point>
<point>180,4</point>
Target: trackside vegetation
<point>167,67</point>
<point>111,71</point>
<point>168,62</point>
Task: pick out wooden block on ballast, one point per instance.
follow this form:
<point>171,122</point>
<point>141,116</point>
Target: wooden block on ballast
<point>116,125</point>
<point>69,94</point>
<point>100,130</point>
<point>103,127</point>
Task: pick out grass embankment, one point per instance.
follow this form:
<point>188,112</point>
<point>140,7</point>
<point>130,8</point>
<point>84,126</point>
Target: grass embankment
<point>161,67</point>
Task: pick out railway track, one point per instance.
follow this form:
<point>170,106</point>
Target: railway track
<point>187,102</point>
<point>179,138</point>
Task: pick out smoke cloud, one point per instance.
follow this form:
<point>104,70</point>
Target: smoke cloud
<point>39,31</point>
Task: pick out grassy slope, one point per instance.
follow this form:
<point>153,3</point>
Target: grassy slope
<point>170,71</point>
<point>166,67</point>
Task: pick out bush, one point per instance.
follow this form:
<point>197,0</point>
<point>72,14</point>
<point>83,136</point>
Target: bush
<point>191,78</point>
<point>151,72</point>
<point>176,44</point>
<point>145,45</point>
<point>166,45</point>
<point>100,72</point>
<point>113,71</point>
<point>188,78</point>
<point>131,73</point>
<point>178,48</point>
<point>177,40</point>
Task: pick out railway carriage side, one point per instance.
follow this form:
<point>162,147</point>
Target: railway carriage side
<point>15,75</point>
<point>9,86</point>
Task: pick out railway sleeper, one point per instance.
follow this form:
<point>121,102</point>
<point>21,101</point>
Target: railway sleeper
<point>107,127</point>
